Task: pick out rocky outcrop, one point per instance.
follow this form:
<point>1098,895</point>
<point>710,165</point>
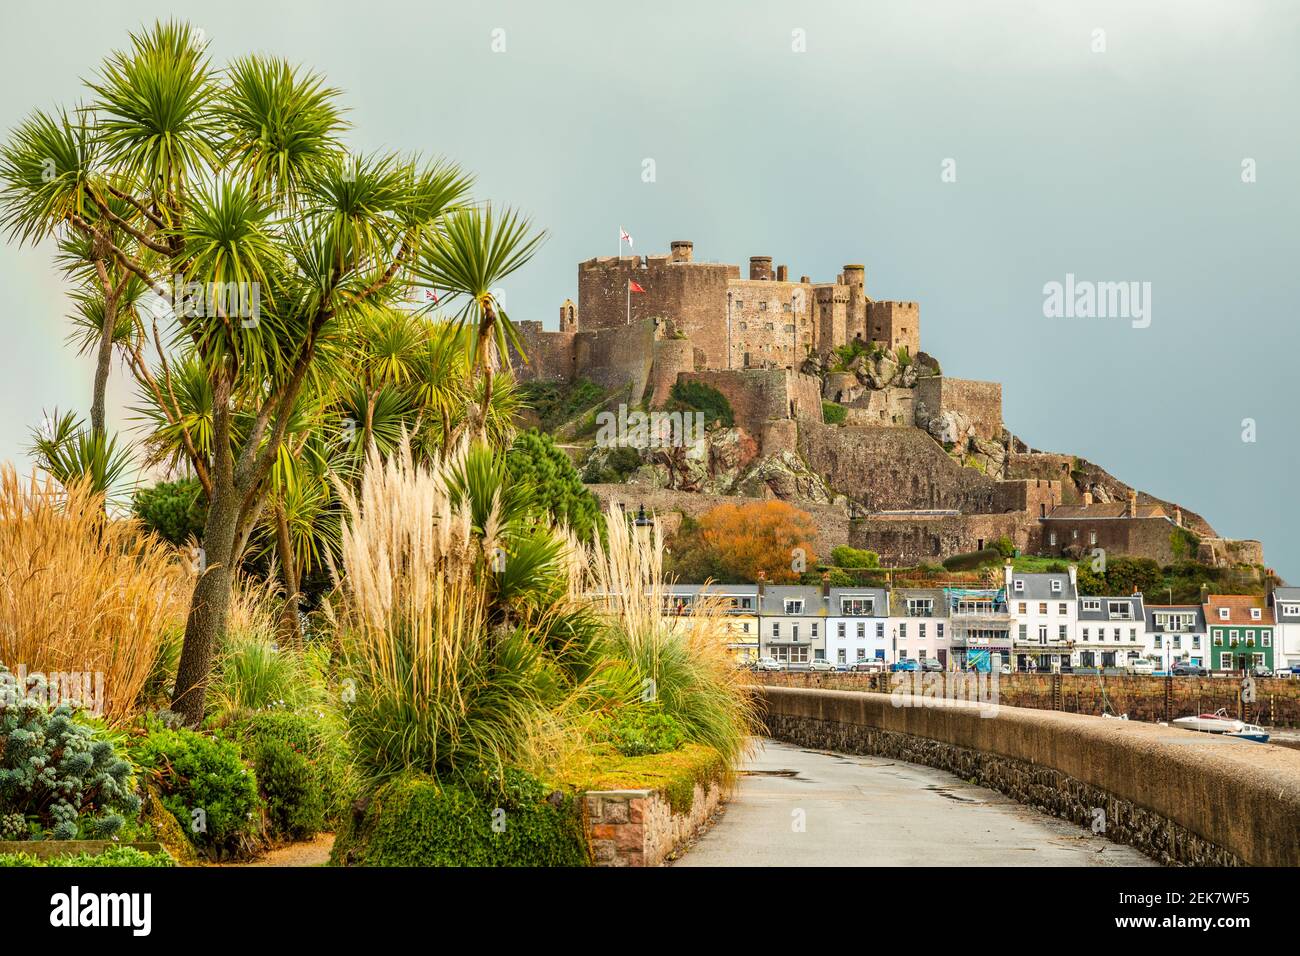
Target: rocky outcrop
<point>788,477</point>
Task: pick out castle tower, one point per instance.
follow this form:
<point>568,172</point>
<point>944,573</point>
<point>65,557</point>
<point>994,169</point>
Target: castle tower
<point>683,250</point>
<point>760,267</point>
<point>568,316</point>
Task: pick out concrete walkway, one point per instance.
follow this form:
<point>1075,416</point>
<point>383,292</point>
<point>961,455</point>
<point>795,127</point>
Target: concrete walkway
<point>871,811</point>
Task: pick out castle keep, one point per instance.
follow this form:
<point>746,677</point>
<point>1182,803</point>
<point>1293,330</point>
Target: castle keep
<point>696,316</point>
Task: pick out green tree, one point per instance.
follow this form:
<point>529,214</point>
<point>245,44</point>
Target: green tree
<point>535,464</point>
<point>175,510</point>
<point>207,184</point>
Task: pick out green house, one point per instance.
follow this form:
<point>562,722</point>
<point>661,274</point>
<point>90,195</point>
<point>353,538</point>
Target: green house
<point>1241,632</point>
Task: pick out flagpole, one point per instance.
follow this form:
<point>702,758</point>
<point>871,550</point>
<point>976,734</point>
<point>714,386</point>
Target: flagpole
<point>629,301</point>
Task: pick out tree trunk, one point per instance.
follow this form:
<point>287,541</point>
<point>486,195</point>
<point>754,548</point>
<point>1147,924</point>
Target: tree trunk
<point>103,360</point>
<point>205,625</point>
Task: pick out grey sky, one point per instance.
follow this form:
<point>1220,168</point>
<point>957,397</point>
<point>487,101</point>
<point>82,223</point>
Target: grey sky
<point>1122,165</point>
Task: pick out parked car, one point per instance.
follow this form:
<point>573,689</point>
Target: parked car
<point>769,664</point>
<point>1005,669</point>
<point>1143,668</point>
<point>1259,670</point>
<point>820,664</point>
<point>930,664</point>
<point>1182,669</point>
<point>906,664</point>
<point>868,665</point>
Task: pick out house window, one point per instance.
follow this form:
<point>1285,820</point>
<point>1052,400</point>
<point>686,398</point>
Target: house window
<point>776,628</point>
<point>1196,642</point>
<point>938,629</point>
<point>841,656</point>
<point>921,629</point>
<point>919,607</point>
<point>1254,614</point>
<point>1085,634</point>
<point>1042,633</point>
<point>794,632</point>
<point>814,629</point>
<point>1056,587</point>
<point>1042,608</point>
<point>1132,635</point>
<point>857,606</point>
<point>1024,632</point>
<point>1061,609</point>
<point>1023,607</point>
<point>1225,661</point>
<point>880,629</point>
<point>1159,642</point>
<point>1223,614</point>
<point>839,630</point>
<point>1092,537</point>
<point>1019,585</point>
<point>1266,639</point>
<point>1091,605</point>
<point>1178,643</point>
<point>794,607</point>
<point>1052,539</point>
<point>1218,638</point>
<point>1232,637</point>
<point>862,630</point>
<point>902,630</point>
<point>1061,635</point>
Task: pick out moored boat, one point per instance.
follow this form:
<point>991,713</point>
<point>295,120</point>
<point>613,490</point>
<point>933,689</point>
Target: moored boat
<point>1220,722</point>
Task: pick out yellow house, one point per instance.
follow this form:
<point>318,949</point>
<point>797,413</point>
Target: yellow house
<point>741,602</point>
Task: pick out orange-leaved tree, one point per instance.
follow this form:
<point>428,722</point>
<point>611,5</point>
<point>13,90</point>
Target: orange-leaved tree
<point>769,536</point>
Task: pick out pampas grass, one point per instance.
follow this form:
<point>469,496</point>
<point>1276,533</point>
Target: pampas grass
<point>683,662</point>
<point>82,592</point>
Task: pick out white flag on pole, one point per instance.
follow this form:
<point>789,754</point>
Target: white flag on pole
<point>624,237</point>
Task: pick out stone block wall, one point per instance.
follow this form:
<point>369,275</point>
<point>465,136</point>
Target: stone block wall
<point>981,402</point>
<point>920,539</point>
<point>639,827</point>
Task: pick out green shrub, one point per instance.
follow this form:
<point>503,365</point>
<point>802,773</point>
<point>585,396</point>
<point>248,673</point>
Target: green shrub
<point>413,820</point>
<point>176,510</point>
<point>254,673</point>
<point>834,414</point>
<point>694,396</point>
<point>554,485</point>
<point>318,757</point>
<point>643,729</point>
<point>972,560</point>
<point>204,784</point>
<point>620,461</point>
<point>557,403</point>
<point>1005,547</point>
<point>59,778</point>
<point>295,806</point>
<point>113,856</point>
<point>845,557</point>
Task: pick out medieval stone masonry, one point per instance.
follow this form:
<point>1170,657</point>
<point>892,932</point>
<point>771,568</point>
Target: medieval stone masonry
<point>915,464</point>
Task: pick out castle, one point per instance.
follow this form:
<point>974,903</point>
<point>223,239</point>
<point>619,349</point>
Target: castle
<point>696,316</point>
<point>917,465</point>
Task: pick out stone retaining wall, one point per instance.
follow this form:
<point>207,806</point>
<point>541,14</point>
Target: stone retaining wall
<point>640,828</point>
<point>1189,799</point>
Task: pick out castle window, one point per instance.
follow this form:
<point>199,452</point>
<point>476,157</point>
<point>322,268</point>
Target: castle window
<point>787,307</point>
<point>762,307</point>
<point>768,326</point>
<point>744,326</point>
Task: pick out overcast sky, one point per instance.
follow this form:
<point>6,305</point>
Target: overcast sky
<point>1122,165</point>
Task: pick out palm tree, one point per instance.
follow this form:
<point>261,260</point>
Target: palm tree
<point>474,253</point>
<point>198,182</point>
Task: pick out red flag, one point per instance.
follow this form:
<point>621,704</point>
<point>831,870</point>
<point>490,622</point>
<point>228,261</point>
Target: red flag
<point>634,286</point>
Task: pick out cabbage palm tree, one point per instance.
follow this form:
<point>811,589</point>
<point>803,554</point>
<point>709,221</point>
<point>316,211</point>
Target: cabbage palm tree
<point>199,182</point>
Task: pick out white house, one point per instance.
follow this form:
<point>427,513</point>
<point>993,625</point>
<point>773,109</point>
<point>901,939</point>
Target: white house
<point>856,625</point>
<point>1177,634</point>
<point>918,624</point>
<point>1111,631</point>
<point>1044,613</point>
<point>1286,616</point>
<point>792,623</point>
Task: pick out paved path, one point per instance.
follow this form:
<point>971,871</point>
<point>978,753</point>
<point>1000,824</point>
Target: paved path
<point>872,811</point>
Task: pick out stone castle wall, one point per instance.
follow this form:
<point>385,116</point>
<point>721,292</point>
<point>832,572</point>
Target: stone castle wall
<point>981,402</point>
<point>760,395</point>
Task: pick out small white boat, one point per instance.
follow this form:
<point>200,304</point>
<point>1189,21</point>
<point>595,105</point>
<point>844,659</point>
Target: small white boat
<point>1220,722</point>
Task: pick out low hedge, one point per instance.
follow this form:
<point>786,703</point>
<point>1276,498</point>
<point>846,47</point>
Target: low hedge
<point>675,774</point>
<point>415,820</point>
<point>114,856</point>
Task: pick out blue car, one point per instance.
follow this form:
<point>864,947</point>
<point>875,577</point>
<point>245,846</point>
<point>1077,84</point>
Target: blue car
<point>906,664</point>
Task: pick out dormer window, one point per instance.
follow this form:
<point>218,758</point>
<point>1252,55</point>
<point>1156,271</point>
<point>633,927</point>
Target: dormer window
<point>1056,587</point>
<point>857,605</point>
<point>1019,585</point>
<point>1223,614</point>
<point>794,607</point>
<point>1254,613</point>
<point>1092,605</point>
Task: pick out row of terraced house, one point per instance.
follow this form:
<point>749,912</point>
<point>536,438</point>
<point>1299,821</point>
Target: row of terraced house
<point>1034,621</point>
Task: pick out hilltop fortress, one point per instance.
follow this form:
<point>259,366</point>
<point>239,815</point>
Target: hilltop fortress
<point>916,465</point>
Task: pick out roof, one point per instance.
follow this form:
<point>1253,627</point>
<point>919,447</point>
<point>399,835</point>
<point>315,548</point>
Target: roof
<point>1111,509</point>
<point>1238,606</point>
<point>1197,612</point>
<point>1286,598</point>
<point>1133,601</point>
<point>879,595</point>
<point>775,596</point>
<point>1038,587</point>
<point>899,597</point>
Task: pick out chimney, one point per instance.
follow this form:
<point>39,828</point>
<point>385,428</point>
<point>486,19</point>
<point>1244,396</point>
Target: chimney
<point>1178,516</point>
<point>1132,502</point>
<point>1087,498</point>
<point>782,273</point>
<point>805,280</point>
<point>760,267</point>
<point>762,584</point>
<point>826,585</point>
<point>1074,577</point>
<point>682,250</point>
